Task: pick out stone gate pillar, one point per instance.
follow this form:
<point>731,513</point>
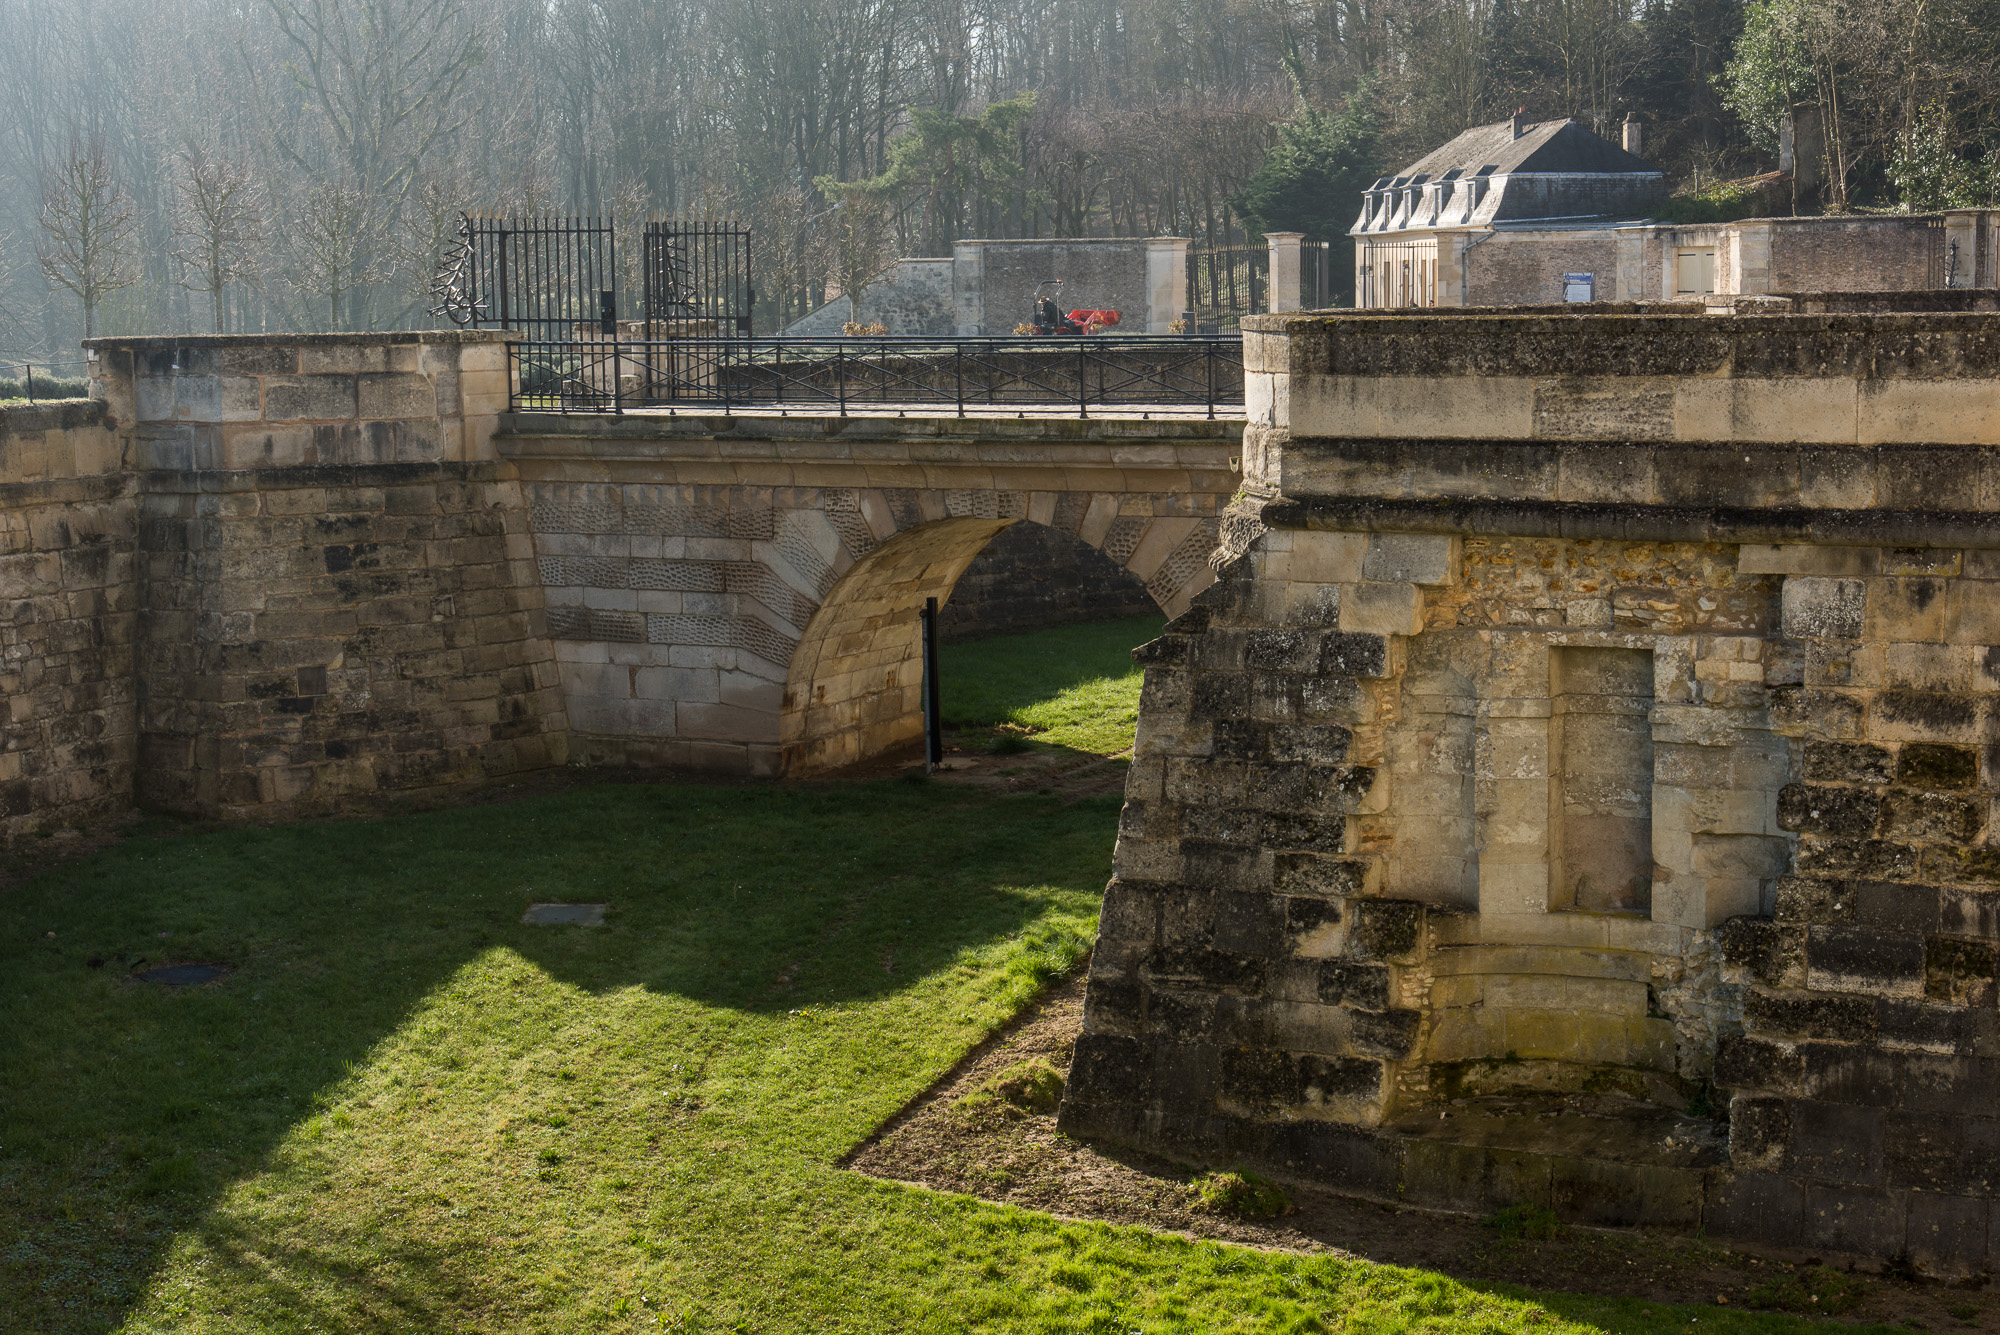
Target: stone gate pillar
<point>1284,294</point>
<point>1166,281</point>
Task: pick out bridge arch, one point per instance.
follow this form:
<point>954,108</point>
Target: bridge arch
<point>761,617</point>
<point>853,686</point>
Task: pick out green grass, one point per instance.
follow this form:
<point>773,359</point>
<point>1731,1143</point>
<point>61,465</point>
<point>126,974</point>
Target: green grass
<point>1074,686</point>
<point>405,1111</point>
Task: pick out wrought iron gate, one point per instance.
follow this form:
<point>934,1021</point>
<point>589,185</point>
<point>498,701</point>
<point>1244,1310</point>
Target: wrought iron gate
<point>545,276</point>
<point>554,278</point>
<point>697,276</point>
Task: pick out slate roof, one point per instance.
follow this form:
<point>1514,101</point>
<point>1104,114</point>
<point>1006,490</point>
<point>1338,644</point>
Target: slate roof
<point>1550,146</point>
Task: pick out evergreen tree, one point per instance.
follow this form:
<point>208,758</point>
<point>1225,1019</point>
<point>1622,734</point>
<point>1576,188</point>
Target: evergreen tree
<point>1313,178</point>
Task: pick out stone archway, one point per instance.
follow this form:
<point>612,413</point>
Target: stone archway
<point>855,683</point>
<point>853,688</point>
<point>768,627</point>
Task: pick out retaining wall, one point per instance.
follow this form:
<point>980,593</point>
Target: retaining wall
<point>1578,786</point>
<point>68,509</point>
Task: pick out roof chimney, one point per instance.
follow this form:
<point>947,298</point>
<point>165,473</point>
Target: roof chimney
<point>1520,121</point>
<point>1632,133</point>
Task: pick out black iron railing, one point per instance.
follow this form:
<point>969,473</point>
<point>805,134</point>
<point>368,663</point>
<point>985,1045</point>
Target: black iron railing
<point>966,376</point>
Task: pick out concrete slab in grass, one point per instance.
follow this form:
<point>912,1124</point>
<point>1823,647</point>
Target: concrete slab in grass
<point>564,915</point>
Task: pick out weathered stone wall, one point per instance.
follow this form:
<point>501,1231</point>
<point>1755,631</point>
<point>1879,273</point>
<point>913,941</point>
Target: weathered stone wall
<point>1526,268</point>
<point>67,507</point>
<point>912,297</point>
<point>1851,255</point>
<point>1031,576</point>
<point>1634,261</point>
<point>336,591</point>
<point>1577,786</point>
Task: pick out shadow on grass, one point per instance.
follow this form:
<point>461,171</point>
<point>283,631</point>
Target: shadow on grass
<point>126,1109</point>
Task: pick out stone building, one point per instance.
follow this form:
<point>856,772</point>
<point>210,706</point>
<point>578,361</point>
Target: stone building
<point>1522,214</point>
<point>1577,788</point>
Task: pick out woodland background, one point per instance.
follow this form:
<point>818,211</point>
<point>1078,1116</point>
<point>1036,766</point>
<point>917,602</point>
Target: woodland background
<point>247,165</point>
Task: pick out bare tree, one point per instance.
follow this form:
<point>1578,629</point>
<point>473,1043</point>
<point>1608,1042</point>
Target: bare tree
<point>87,224</point>
<point>218,223</point>
<point>333,243</point>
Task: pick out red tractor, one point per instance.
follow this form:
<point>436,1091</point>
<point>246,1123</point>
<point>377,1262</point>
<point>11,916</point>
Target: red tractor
<point>1049,319</point>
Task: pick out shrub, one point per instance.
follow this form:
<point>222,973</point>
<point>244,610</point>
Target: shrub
<point>856,329</point>
<point>1243,1194</point>
<point>1008,744</point>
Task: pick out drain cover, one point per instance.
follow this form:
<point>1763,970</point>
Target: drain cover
<point>184,975</point>
<point>552,915</point>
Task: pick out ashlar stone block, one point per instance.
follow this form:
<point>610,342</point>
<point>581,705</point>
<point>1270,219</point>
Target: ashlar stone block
<point>1820,608</point>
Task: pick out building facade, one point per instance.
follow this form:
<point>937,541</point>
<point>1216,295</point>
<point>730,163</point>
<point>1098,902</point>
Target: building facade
<point>1516,214</point>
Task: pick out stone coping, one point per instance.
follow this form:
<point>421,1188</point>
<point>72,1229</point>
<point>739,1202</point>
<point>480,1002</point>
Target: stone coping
<point>1640,523</point>
<point>51,415</point>
<point>1927,345</point>
<point>158,342</point>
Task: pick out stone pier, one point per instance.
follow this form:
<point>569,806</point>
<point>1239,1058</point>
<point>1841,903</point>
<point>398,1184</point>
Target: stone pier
<point>1577,787</point>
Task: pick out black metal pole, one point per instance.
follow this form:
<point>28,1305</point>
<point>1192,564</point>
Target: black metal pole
<point>933,720</point>
<point>28,379</point>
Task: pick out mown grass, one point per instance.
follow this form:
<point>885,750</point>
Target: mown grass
<point>405,1111</point>
<point>1073,686</point>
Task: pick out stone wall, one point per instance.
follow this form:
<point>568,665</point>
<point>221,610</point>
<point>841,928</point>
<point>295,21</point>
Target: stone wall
<point>335,586</point>
<point>911,297</point>
<point>994,282</point>
<point>1634,261</point>
<point>1032,576</point>
<point>1850,255</point>
<point>67,525</point>
<point>1576,787</point>
<point>1527,267</point>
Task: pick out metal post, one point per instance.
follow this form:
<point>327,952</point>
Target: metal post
<point>933,720</point>
<point>28,379</point>
<point>506,286</point>
<point>1082,410</point>
<point>958,369</point>
<point>840,376</point>
<point>1211,380</point>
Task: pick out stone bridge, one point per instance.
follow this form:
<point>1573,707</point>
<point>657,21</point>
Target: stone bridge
<point>259,576</point>
<point>742,593</point>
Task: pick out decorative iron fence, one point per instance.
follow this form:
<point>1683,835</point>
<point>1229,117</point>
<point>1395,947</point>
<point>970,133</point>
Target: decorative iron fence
<point>555,278</point>
<point>697,275</point>
<point>1318,281</point>
<point>967,376</point>
<point>543,275</point>
<point>1229,282</point>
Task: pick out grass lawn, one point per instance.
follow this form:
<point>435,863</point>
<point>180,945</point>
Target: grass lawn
<point>1074,686</point>
<point>406,1111</point>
